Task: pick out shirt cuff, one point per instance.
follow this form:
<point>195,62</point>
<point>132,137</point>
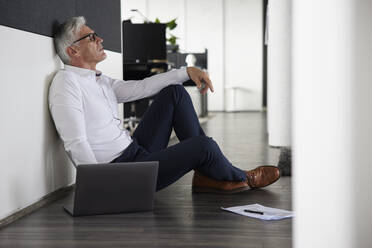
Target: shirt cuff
<point>183,75</point>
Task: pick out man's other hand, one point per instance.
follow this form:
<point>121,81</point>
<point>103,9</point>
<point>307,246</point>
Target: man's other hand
<point>201,79</point>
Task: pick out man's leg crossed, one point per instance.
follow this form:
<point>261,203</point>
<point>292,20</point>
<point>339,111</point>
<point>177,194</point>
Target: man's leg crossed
<point>171,108</point>
<point>200,153</point>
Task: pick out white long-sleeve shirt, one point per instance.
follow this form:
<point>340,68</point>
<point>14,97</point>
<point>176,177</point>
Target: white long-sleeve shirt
<point>84,108</point>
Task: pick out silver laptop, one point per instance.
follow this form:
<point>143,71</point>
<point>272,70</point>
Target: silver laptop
<point>114,188</point>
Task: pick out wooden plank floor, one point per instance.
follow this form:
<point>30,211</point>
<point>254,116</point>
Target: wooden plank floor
<point>180,218</point>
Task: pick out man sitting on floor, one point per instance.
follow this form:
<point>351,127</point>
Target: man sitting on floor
<point>84,107</point>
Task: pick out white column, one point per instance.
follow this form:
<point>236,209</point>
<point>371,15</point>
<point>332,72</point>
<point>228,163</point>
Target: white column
<point>332,119</point>
<point>279,72</point>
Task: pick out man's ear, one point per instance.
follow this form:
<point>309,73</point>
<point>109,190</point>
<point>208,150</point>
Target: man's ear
<point>71,51</point>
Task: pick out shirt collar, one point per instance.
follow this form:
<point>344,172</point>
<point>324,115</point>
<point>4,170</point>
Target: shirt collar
<point>82,71</point>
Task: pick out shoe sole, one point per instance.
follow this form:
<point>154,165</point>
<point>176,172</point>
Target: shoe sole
<point>219,191</point>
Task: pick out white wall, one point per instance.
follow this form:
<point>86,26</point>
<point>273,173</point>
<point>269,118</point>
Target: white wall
<point>204,30</point>
<point>243,54</point>
<point>332,139</point>
<point>32,159</point>
<point>231,30</point>
<point>279,72</point>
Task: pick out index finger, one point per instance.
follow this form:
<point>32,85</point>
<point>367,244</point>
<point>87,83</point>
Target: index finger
<point>208,81</point>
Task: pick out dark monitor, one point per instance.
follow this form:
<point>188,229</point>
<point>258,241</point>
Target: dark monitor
<point>143,42</point>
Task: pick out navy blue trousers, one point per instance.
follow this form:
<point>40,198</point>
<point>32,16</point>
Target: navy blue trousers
<point>172,108</point>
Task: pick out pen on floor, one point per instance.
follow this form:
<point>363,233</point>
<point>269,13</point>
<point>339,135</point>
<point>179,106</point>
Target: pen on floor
<point>253,212</point>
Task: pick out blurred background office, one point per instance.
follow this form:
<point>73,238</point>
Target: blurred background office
<point>232,33</point>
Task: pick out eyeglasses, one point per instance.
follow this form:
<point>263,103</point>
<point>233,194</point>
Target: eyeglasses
<point>92,37</point>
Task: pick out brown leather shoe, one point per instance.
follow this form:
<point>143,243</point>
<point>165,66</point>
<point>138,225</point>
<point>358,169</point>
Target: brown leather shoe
<point>201,183</point>
<point>262,176</point>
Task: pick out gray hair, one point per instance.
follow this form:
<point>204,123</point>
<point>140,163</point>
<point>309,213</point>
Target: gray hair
<point>66,34</point>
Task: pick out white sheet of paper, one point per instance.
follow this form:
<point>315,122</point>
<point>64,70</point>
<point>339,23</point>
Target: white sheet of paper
<point>269,213</point>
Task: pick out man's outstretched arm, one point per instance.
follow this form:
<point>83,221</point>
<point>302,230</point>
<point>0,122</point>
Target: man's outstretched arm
<point>132,90</point>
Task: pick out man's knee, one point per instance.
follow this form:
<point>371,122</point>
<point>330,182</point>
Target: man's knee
<point>176,92</point>
<point>206,143</point>
<point>175,89</point>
